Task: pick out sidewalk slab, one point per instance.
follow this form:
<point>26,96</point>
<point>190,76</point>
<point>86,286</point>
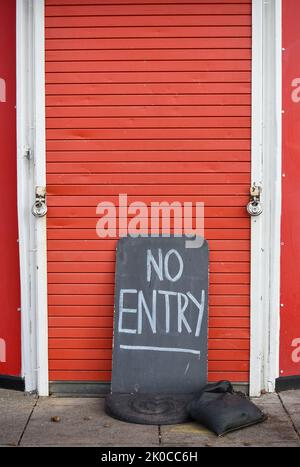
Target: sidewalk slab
<point>15,409</point>
<point>291,402</point>
<point>276,431</point>
<point>26,421</point>
<point>83,422</point>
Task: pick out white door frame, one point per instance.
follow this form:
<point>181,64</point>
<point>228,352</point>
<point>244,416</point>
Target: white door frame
<point>31,169</point>
<point>266,171</point>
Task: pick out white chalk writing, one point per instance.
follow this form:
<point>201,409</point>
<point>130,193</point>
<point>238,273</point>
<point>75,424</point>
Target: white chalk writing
<point>180,309</point>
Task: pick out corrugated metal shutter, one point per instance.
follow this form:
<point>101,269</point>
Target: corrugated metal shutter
<point>151,99</point>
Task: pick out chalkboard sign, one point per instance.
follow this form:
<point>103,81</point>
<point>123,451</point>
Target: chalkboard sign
<point>160,318</point>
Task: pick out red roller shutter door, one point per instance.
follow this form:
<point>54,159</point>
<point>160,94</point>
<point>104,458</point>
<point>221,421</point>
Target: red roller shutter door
<point>152,100</point>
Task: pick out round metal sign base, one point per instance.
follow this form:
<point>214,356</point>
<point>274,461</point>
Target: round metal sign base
<point>149,409</point>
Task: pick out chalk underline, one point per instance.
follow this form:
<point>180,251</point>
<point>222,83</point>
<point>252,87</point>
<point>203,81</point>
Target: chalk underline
<point>159,349</point>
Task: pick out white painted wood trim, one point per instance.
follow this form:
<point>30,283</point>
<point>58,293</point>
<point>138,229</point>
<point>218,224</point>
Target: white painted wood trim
<point>266,167</point>
<point>40,180</point>
<point>25,183</point>
<point>32,173</point>
<point>256,222</point>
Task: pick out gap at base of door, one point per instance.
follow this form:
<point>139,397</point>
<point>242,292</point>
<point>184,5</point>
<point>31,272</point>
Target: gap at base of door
<point>12,382</point>
<point>94,388</point>
<point>285,383</point>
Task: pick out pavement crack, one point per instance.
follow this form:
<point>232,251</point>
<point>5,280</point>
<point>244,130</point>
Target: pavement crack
<point>159,435</point>
<point>289,416</point>
<point>28,420</point>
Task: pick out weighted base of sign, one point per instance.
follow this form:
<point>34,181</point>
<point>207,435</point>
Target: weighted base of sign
<point>149,409</point>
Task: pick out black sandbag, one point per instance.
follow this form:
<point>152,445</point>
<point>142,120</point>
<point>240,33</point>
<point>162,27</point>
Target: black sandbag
<point>222,410</point>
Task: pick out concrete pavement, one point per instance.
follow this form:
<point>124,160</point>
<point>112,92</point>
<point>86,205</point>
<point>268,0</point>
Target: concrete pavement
<point>26,420</point>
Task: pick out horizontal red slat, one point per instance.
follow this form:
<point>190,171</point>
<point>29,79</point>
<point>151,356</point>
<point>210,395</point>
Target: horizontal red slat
<point>229,344</point>
<point>149,43</point>
<point>234,377</point>
<point>228,311</point>
<point>67,266</point>
<point>228,366</point>
<point>92,332</point>
<point>91,365</point>
<point>80,343</point>
<point>74,332</point>
<point>218,300</point>
<point>99,319</point>
<point>99,278</point>
<point>91,234</point>
<point>135,179</point>
<point>149,145</point>
<point>163,55</point>
<point>79,375</point>
<point>109,256</point>
<point>146,167</point>
<point>81,311</point>
<point>229,333</point>
<point>103,365</point>
<point>109,267</point>
<point>214,102</point>
<point>227,355</point>
<point>149,88</point>
<point>149,190</point>
<point>146,9</point>
<point>149,156</point>
<point>145,122</point>
<point>57,355</point>
<point>79,201</point>
<point>149,133</point>
<point>90,212</point>
<point>99,322</point>
<point>112,78</point>
<point>89,117</point>
<point>216,19</point>
<point>171,111</point>
<point>80,289</point>
<point>226,322</point>
<point>87,214</point>
<point>228,300</point>
<point>151,32</point>
<point>90,223</point>
<point>107,311</point>
<point>108,289</point>
<point>147,66</point>
<point>132,2</point>
<point>104,245</point>
<point>229,267</point>
<point>230,279</point>
<point>214,344</point>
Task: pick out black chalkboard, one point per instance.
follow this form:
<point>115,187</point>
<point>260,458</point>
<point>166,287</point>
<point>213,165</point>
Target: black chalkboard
<point>160,317</point>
